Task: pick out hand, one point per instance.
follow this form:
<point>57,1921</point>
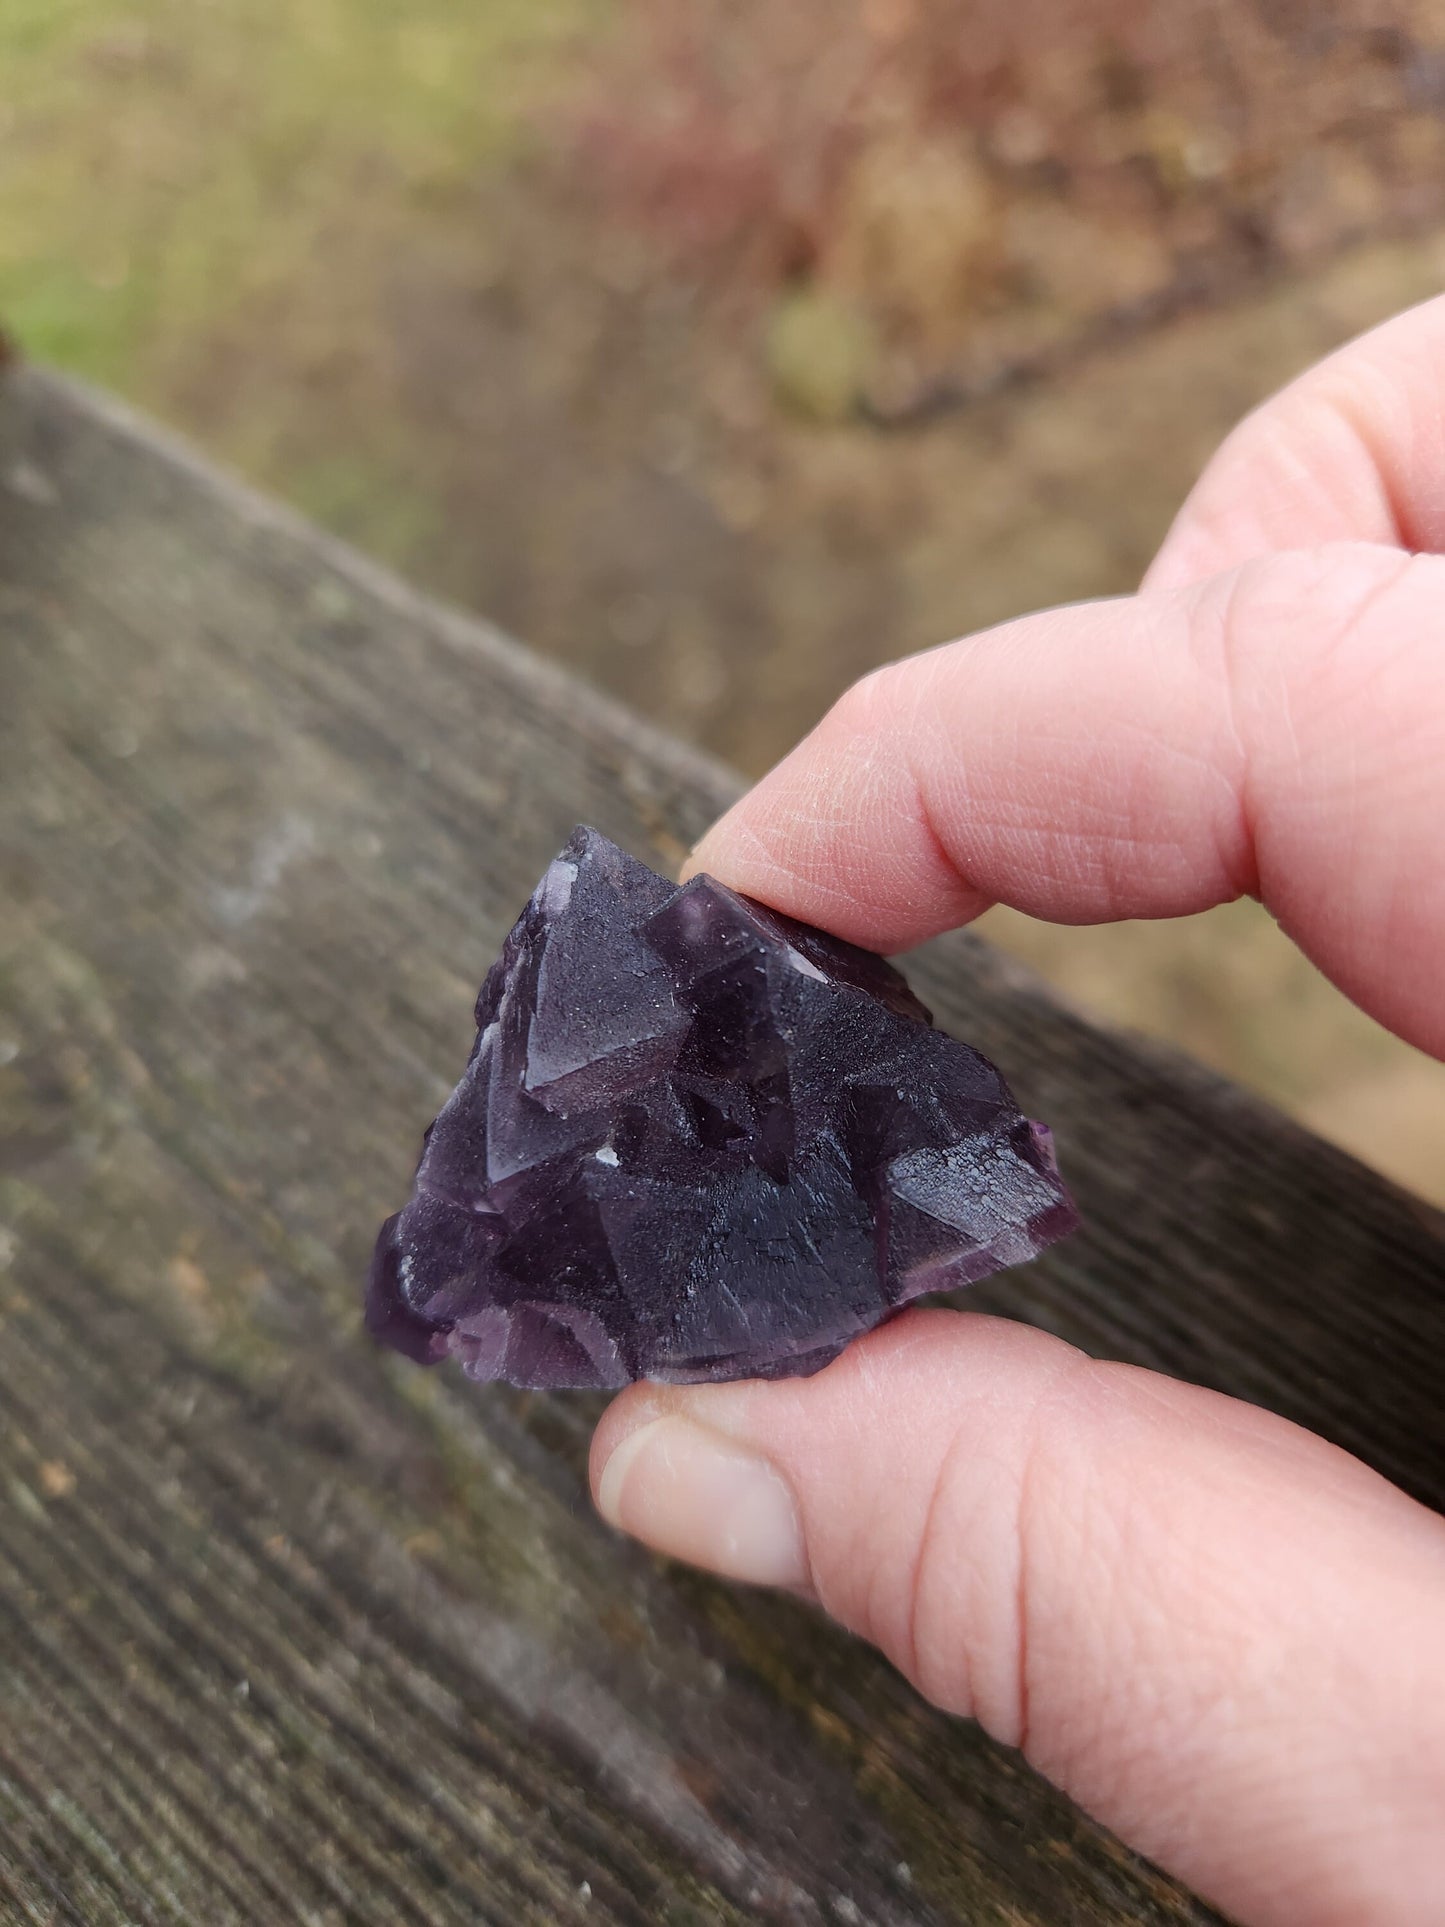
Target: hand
<point>1221,1635</point>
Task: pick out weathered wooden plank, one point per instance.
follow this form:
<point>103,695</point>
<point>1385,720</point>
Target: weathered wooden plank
<point>291,1631</point>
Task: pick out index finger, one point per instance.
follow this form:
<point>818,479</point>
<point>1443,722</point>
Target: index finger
<point>1277,731</point>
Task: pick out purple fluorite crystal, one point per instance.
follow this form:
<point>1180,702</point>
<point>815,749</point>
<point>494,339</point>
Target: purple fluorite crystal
<point>697,1140</point>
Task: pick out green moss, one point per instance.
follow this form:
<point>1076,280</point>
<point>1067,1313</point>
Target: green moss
<point>185,152</point>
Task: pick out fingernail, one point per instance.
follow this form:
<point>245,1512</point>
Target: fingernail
<point>690,1492</point>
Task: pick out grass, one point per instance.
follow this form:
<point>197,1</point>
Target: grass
<point>166,165</point>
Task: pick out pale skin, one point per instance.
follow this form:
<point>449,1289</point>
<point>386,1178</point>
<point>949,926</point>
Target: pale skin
<point>1220,1634</point>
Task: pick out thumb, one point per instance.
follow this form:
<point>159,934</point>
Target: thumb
<point>1217,1632</point>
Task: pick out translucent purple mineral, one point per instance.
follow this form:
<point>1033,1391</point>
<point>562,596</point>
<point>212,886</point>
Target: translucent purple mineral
<point>697,1140</point>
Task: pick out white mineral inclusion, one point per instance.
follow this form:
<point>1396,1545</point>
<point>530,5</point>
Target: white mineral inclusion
<point>803,965</point>
<point>556,891</point>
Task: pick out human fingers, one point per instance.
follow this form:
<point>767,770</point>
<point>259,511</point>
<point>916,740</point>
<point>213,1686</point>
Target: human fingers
<point>1276,731</point>
<point>1218,1633</point>
<point>1352,450</point>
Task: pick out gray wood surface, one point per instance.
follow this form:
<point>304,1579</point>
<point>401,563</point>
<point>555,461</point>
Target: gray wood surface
<point>295,1632</point>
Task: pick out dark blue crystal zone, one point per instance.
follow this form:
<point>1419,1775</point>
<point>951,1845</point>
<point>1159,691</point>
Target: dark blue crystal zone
<point>697,1140</point>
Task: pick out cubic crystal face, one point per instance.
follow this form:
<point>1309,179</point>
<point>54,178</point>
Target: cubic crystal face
<point>697,1140</point>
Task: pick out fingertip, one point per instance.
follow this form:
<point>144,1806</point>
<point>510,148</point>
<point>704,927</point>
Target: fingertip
<point>614,1464</point>
<point>694,1493</point>
<point>883,883</point>
<point>742,849</point>
<point>628,1413</point>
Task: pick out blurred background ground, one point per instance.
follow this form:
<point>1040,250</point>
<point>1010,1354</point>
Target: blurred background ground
<point>725,349</point>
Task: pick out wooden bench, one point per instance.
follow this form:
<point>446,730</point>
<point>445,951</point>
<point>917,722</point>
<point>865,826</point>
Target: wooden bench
<point>293,1631</point>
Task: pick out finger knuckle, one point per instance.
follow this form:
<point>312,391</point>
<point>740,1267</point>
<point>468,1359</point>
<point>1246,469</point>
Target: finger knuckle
<point>1301,604</point>
<point>985,1537</point>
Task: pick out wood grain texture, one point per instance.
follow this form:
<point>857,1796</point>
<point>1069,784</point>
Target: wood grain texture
<point>294,1632</point>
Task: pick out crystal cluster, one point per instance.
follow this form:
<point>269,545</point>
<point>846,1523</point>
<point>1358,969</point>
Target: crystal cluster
<point>697,1140</point>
